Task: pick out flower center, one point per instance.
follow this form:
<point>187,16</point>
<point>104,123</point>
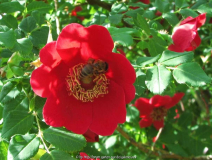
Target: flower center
<point>158,113</point>
<point>87,81</point>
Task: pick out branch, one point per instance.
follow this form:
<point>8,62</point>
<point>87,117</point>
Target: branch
<point>100,3</point>
<point>145,148</point>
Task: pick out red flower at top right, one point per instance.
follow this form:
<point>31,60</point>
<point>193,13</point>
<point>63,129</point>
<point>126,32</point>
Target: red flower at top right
<point>185,36</point>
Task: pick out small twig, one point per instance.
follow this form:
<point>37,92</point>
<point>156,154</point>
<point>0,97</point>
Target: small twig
<point>40,134</point>
<point>56,18</point>
<point>182,106</point>
<point>156,138</point>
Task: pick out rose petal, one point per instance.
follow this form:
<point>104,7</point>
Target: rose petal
<point>108,111</point>
<point>174,100</point>
<point>182,38</point>
<point>40,85</point>
<point>91,136</point>
<point>98,43</point>
<point>158,101</point>
<point>158,124</point>
<point>142,104</point>
<point>49,56</point>
<point>71,36</point>
<point>129,91</point>
<point>120,70</point>
<point>195,43</point>
<point>145,122</point>
<point>201,19</point>
<point>63,110</point>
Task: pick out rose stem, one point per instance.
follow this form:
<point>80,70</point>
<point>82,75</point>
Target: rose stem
<point>40,134</point>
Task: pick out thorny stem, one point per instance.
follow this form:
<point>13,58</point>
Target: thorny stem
<point>157,136</point>
<point>56,18</point>
<point>40,134</point>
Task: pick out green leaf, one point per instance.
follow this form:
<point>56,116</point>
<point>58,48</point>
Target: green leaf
<point>142,23</point>
<point>7,38</point>
<point>188,12</point>
<point>162,6</point>
<point>158,38</point>
<point>118,7</point>
<point>3,150</point>
<point>28,24</point>
<point>115,19</point>
<point>23,147</point>
<point>149,14</point>
<point>158,79</point>
<point>25,45</point>
<point>111,141</point>
<point>10,21</point>
<point>143,61</point>
<point>6,53</point>
<point>177,149</point>
<point>9,86</point>
<point>185,120</point>
<point>142,44</point>
<point>191,74</point>
<point>179,3</point>
<point>57,155</point>
<point>18,71</point>
<point>198,3</point>
<point>122,35</point>
<point>9,7</point>
<point>171,18</point>
<point>99,18</point>
<point>170,58</point>
<point>133,13</point>
<point>20,102</point>
<point>205,8</point>
<point>39,37</point>
<point>203,131</point>
<point>140,82</point>
<point>39,6</point>
<point>17,122</point>
<point>155,48</point>
<point>4,28</point>
<point>39,18</point>
<point>64,140</point>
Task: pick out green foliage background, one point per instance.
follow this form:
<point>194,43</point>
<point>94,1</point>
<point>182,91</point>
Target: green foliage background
<point>27,25</point>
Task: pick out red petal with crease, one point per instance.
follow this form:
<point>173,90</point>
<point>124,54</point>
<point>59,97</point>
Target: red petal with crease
<point>145,122</point>
<point>91,136</point>
<point>64,110</point>
<point>175,99</point>
<point>142,104</point>
<point>108,111</point>
<point>71,36</point>
<point>195,43</point>
<point>158,100</point>
<point>158,124</point>
<point>49,55</point>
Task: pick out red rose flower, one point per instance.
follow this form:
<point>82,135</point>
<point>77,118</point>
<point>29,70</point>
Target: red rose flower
<point>74,12</point>
<point>84,156</point>
<point>185,36</point>
<point>153,111</point>
<point>87,86</point>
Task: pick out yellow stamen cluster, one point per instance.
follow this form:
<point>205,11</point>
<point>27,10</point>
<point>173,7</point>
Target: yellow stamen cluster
<point>75,88</point>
